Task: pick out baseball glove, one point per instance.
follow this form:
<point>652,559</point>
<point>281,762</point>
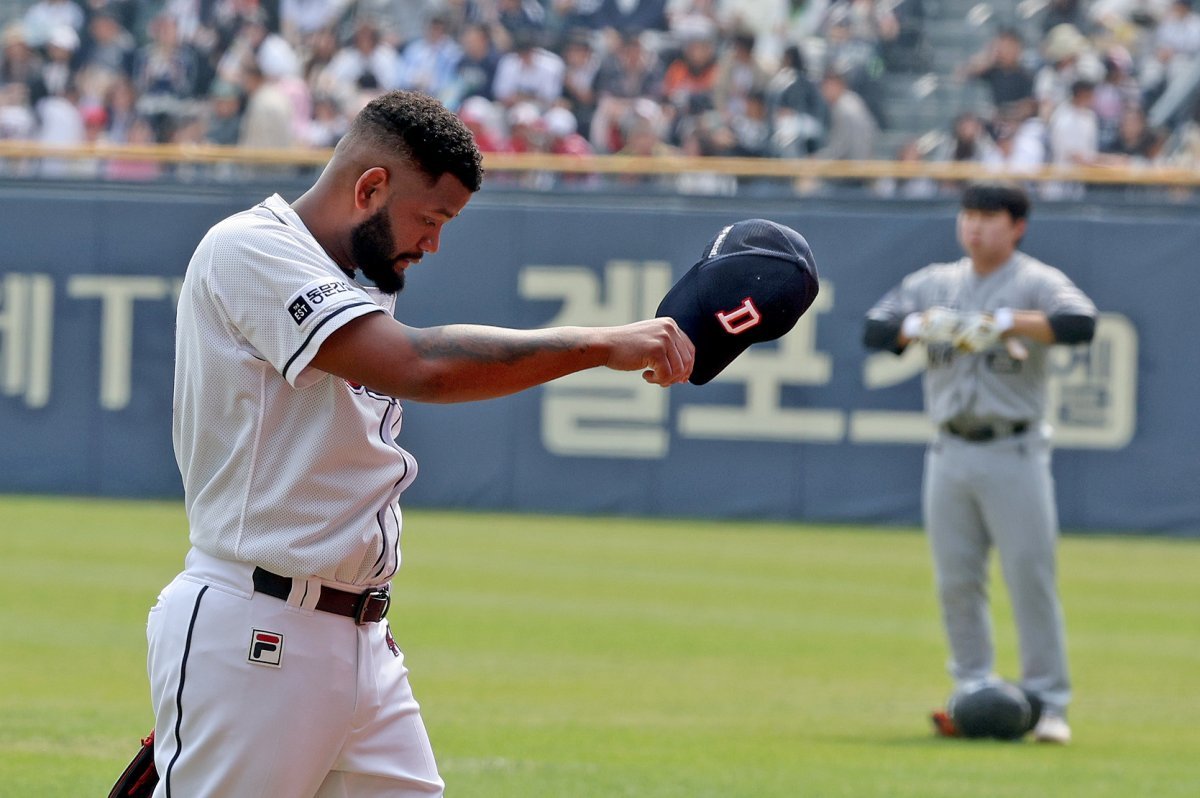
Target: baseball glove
<point>140,776</point>
<point>939,325</point>
<point>977,332</point>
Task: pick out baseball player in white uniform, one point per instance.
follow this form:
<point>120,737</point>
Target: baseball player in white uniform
<point>273,671</point>
<point>987,321</point>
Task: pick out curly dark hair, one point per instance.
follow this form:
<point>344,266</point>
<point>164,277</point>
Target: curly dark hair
<point>424,131</point>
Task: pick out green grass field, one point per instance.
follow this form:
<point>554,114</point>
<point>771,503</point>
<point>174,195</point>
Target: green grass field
<point>572,658</point>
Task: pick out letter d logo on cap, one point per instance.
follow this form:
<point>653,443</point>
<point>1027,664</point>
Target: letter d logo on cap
<point>740,320</point>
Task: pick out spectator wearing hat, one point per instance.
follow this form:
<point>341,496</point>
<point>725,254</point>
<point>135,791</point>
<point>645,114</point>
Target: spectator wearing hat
<point>45,16</point>
<point>527,130</point>
<point>485,121</point>
<point>429,63</point>
<point>267,121</point>
<point>1069,56</point>
<point>529,73</point>
<point>58,71</point>
<point>643,134</point>
<point>643,131</point>
<point>562,133</point>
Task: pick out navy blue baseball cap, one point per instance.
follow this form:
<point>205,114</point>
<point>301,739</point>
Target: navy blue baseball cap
<point>754,281</point>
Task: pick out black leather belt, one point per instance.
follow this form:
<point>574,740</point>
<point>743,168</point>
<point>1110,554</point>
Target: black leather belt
<point>367,607</point>
<point>977,433</point>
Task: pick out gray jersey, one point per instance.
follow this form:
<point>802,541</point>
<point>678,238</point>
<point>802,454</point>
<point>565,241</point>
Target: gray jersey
<point>986,385</point>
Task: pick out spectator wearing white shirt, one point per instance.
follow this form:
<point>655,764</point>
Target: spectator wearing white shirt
<point>367,53</point>
<point>45,16</point>
<point>528,73</point>
<point>1069,56</point>
<point>1177,37</point>
<point>1074,135</point>
<point>1020,139</point>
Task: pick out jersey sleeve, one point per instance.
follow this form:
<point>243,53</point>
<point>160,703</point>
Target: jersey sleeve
<point>280,297</point>
<point>1057,295</point>
<point>909,296</point>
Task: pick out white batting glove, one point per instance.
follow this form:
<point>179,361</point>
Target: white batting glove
<point>981,331</point>
<point>936,325</point>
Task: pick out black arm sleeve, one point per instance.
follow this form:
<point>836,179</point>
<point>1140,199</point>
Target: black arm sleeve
<point>883,334</point>
<point>1071,328</point>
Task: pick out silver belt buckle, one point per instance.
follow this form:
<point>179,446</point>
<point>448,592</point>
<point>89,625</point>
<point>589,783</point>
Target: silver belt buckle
<point>372,598</point>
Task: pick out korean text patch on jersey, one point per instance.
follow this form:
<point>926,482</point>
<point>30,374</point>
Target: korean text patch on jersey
<point>317,296</point>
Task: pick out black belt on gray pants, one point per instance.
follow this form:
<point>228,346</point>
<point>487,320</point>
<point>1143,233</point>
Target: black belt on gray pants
<point>367,607</point>
<point>977,433</point>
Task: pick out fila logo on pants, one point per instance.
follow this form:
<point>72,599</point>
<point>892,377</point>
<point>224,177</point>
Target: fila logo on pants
<point>266,648</point>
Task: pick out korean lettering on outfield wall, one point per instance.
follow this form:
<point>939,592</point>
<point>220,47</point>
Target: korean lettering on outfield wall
<point>601,413</point>
<point>27,331</point>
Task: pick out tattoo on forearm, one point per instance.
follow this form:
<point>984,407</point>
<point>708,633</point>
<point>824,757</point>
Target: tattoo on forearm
<point>490,345</point>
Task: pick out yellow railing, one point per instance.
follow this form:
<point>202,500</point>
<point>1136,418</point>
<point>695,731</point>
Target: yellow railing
<point>792,168</point>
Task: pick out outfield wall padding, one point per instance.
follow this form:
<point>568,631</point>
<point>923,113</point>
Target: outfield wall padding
<point>811,428</point>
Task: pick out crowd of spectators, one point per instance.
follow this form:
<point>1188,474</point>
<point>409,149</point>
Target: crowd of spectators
<point>1104,83</point>
<point>1109,81</point>
<point>781,78</point>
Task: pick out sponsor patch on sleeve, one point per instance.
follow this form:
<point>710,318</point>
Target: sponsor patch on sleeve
<point>318,295</point>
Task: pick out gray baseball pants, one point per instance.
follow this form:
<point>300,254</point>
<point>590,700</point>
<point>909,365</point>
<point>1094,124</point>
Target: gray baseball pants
<point>1000,493</point>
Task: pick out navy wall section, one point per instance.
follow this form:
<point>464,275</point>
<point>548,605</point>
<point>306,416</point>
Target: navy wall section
<point>813,427</point>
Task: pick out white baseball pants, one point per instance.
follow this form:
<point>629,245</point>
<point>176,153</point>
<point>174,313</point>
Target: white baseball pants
<point>259,697</point>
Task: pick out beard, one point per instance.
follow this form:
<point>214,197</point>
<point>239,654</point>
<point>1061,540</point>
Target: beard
<point>371,246</point>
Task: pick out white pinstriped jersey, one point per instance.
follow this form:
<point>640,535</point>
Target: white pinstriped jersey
<point>986,385</point>
<point>283,465</point>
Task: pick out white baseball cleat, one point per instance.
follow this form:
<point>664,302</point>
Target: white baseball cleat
<point>1052,728</point>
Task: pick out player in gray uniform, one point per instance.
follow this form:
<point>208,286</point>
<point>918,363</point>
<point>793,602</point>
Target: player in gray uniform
<point>273,670</point>
<point>987,321</point>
